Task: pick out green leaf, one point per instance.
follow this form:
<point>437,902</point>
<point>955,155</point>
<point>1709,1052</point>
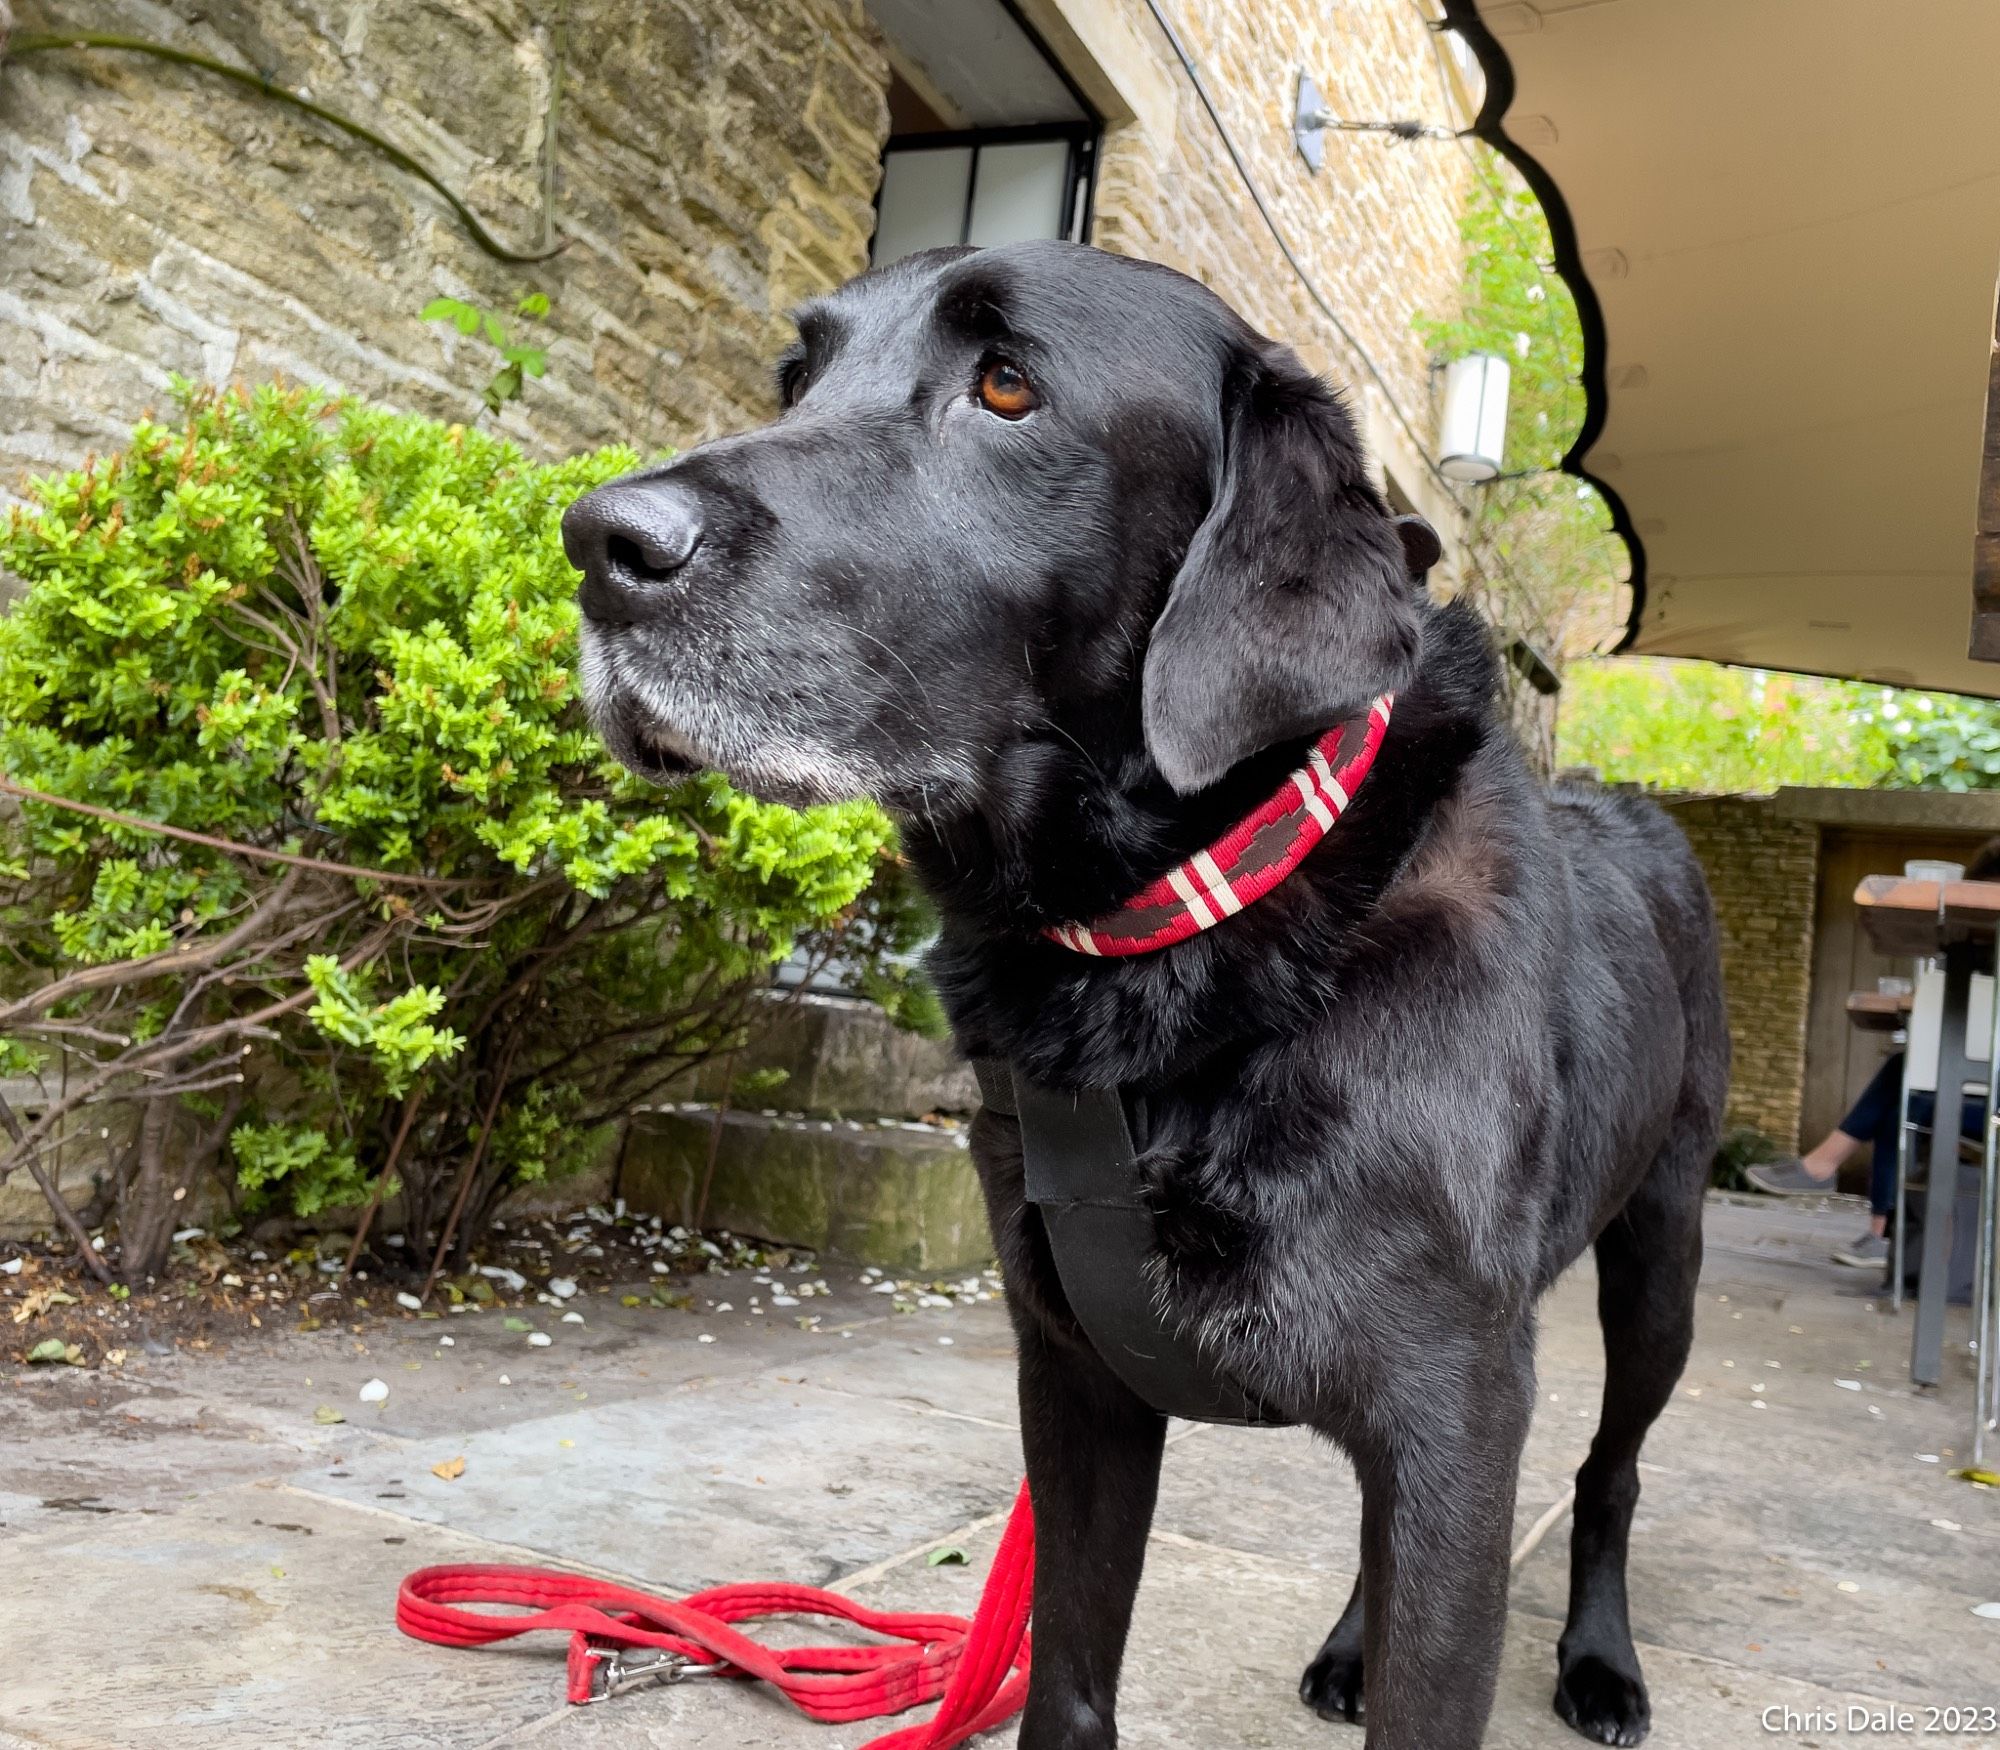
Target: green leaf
<point>534,304</point>
<point>951,1556</point>
<point>505,387</point>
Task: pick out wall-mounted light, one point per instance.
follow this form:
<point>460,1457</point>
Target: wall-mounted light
<point>1472,436</point>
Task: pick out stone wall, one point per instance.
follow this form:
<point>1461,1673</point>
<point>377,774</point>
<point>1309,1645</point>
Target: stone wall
<point>1763,868</point>
<point>1376,229</point>
<point>716,160</point>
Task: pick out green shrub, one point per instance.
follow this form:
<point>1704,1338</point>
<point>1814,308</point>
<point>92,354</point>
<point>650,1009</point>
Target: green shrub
<point>294,627</point>
<point>1942,741</point>
<point>1741,1147</point>
<point>1681,725</point>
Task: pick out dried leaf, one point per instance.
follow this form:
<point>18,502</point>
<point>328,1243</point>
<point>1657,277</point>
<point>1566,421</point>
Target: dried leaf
<point>39,1302</point>
<point>326,1415</point>
<point>449,1469</point>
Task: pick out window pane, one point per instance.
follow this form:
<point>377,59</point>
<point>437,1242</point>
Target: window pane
<point>923,200</point>
<point>1019,194</point>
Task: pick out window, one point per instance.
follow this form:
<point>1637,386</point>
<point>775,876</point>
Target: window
<point>990,142</point>
<point>1003,185</point>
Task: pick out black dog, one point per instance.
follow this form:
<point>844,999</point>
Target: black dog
<point>1054,556</point>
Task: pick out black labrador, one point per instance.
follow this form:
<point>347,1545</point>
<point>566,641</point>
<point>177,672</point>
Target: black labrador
<point>1053,555</point>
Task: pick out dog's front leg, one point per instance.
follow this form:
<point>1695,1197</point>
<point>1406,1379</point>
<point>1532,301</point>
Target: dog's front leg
<point>1093,1453</point>
<point>1437,1514</point>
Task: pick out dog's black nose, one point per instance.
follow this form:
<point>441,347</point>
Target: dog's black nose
<point>630,539</point>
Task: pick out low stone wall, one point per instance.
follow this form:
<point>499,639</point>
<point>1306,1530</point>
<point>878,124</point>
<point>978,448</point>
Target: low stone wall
<point>898,1194</point>
<point>1763,869</point>
<point>839,1056</point>
<point>858,1152</point>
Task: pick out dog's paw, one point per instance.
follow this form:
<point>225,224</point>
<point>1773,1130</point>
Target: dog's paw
<point>1606,1705</point>
<point>1332,1686</point>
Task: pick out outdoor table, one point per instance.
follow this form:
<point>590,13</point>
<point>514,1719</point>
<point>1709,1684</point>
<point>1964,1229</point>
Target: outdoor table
<point>1957,923</point>
<point>1874,1011</point>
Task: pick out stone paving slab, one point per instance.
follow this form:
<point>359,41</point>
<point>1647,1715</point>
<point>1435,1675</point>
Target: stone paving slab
<point>783,1480</point>
<point>245,1557</point>
<point>253,1615</point>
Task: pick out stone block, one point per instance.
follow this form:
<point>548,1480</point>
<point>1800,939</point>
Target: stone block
<point>898,1195</point>
<point>843,1058</point>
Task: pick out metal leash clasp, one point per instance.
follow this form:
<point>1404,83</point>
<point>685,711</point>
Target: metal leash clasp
<point>616,1673</point>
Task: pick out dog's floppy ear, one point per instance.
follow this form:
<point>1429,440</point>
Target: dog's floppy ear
<point>1421,547</point>
<point>1295,604</point>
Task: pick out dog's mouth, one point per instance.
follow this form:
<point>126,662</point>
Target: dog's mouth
<point>666,756</point>
<point>645,745</point>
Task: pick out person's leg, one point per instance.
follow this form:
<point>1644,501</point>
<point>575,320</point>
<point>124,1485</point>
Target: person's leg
<point>1882,1180</point>
<point>1871,1250</point>
<point>1876,1111</point>
<point>1870,1120</point>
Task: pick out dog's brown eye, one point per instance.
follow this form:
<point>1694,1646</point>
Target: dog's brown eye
<point>1004,389</point>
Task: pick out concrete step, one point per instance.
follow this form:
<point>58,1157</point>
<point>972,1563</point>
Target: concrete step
<point>900,1195</point>
<point>843,1057</point>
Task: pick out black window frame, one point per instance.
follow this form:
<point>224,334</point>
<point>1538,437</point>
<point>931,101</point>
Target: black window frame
<point>1081,170</point>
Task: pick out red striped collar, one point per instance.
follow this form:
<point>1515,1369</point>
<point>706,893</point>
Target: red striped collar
<point>1258,852</point>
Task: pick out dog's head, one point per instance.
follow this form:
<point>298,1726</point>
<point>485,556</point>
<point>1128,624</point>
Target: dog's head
<point>1031,492</point>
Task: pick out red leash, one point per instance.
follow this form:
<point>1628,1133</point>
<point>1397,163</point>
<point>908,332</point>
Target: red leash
<point>969,1664</point>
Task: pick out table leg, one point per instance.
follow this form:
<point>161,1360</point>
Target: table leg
<point>1905,1152</point>
<point>1941,1194</point>
<point>1986,1289</point>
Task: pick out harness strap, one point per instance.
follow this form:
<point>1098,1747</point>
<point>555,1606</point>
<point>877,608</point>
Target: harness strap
<point>1083,1176</point>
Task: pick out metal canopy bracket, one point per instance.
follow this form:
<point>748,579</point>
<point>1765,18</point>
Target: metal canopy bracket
<point>1309,121</point>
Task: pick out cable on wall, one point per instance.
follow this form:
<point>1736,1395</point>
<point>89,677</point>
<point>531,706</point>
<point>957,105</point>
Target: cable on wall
<point>40,42</point>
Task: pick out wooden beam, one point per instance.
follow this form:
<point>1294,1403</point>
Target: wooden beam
<point>1986,536</point>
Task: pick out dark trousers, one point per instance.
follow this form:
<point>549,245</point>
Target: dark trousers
<point>1872,1119</point>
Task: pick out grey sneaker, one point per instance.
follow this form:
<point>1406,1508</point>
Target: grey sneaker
<point>1788,1178</point>
<point>1869,1252</point>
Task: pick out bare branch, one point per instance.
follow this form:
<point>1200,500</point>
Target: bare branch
<point>410,1105</point>
<point>472,1166</point>
<point>161,1054</point>
<point>169,963</point>
<point>58,1205</point>
<point>235,848</point>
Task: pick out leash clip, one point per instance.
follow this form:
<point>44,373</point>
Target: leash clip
<point>616,1673</point>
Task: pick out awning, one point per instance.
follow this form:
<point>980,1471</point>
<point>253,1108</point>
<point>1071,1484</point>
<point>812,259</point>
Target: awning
<point>1781,219</point>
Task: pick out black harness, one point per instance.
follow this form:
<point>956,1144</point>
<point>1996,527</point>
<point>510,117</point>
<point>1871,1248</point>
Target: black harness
<point>1083,1176</point>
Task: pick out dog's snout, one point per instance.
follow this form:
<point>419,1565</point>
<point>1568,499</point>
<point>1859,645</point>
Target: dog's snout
<point>630,540</point>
